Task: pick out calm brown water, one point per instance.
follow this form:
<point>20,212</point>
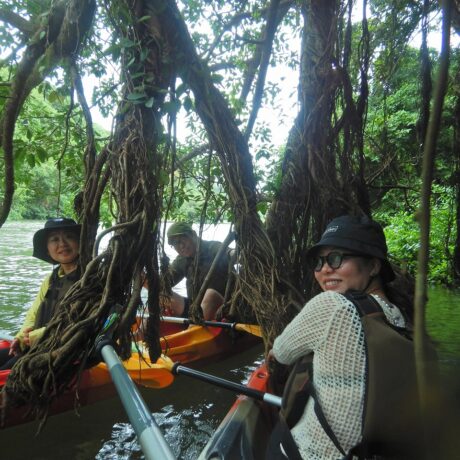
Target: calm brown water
<point>187,412</point>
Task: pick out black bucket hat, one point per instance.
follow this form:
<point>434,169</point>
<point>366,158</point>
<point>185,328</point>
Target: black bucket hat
<point>358,234</point>
<point>41,236</point>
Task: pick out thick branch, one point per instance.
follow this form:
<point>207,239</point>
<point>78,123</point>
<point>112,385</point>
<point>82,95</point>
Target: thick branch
<point>67,24</point>
<point>260,52</point>
<point>272,23</point>
<point>28,28</point>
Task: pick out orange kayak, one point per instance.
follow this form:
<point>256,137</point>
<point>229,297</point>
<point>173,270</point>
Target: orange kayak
<point>95,385</point>
<point>245,430</point>
<point>196,344</point>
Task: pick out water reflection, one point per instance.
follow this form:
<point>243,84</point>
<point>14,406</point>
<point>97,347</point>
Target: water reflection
<point>194,411</point>
<point>21,274</point>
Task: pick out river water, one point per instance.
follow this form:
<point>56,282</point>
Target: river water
<point>188,411</point>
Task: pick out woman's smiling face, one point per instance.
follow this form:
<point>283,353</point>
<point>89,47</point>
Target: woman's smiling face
<point>63,246</point>
<point>354,272</point>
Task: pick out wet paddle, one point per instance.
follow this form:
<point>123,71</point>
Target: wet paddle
<point>177,368</point>
<point>253,329</point>
<point>148,433</point>
<point>161,374</point>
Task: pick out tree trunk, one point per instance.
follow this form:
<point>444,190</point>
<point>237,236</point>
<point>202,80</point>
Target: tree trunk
<point>456,182</point>
<point>310,193</point>
<point>427,372</point>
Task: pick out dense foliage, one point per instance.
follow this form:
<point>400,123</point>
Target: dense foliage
<point>253,102</point>
<point>404,243</point>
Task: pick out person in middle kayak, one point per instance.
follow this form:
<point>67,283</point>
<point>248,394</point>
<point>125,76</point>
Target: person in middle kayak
<point>57,243</point>
<point>195,257</point>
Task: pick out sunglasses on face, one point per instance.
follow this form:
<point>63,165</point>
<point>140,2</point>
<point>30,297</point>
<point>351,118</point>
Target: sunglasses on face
<point>333,259</point>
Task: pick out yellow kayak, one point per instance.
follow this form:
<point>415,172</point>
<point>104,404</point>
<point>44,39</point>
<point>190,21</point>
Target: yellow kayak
<point>195,344</point>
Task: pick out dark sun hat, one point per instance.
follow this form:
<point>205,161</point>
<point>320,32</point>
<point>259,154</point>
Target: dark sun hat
<point>358,234</point>
<point>178,229</point>
<point>41,236</point>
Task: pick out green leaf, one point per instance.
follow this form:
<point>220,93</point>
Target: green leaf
<point>53,96</point>
<point>31,160</point>
<point>113,50</point>
<point>126,43</point>
<point>181,89</point>
<point>171,107</point>
<point>216,78</point>
<point>143,55</point>
<point>262,207</point>
<point>164,178</point>
<point>41,153</point>
<point>188,104</point>
<point>136,96</point>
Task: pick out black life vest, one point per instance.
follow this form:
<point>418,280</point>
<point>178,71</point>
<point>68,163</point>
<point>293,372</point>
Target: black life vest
<point>391,416</point>
<point>57,290</point>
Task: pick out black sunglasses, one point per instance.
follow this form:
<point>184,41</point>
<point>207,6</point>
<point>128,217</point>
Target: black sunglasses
<point>333,259</point>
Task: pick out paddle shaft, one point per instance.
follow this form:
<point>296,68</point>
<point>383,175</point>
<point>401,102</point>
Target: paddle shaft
<point>148,433</point>
<point>227,384</point>
<point>186,322</point>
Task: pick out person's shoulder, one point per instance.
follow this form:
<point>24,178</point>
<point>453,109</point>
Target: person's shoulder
<point>46,283</point>
<point>47,279</point>
<point>326,296</point>
<point>329,300</point>
<point>179,261</point>
<point>211,244</point>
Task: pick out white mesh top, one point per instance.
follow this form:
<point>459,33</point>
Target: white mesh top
<point>330,326</point>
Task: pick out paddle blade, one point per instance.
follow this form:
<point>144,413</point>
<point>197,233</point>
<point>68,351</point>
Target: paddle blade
<point>148,375</point>
<point>249,328</point>
<point>166,362</point>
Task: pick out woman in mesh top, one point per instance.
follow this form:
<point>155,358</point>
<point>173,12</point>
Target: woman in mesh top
<point>351,255</point>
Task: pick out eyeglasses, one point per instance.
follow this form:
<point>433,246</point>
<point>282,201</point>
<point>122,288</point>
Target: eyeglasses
<point>59,236</point>
<point>333,259</point>
<point>177,243</point>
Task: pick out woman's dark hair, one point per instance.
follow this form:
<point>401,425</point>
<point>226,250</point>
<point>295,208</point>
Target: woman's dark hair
<point>401,292</point>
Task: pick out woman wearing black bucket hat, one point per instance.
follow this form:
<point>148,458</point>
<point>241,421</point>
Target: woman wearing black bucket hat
<point>56,243</point>
<point>351,255</point>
